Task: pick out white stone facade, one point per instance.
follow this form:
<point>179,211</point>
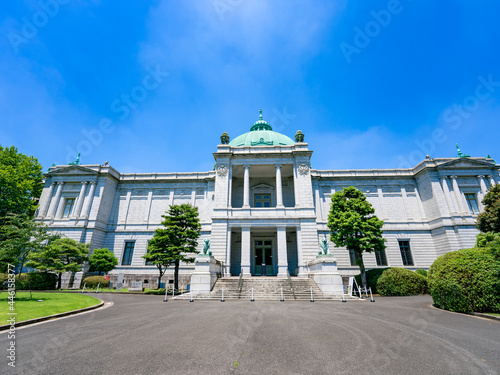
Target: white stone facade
<point>424,208</point>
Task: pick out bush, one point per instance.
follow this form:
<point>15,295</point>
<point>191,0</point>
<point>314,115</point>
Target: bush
<point>371,278</point>
<point>421,272</point>
<point>93,281</point>
<point>401,282</point>
<point>160,291</point>
<point>36,281</point>
<point>466,281</point>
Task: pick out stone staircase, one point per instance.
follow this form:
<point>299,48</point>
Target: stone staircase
<point>265,288</point>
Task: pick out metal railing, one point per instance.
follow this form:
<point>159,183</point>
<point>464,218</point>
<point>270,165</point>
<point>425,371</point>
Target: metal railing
<point>291,284</point>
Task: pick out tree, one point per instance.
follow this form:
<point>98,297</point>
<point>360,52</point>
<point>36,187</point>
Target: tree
<point>22,236</point>
<point>489,220</point>
<point>354,225</point>
<point>61,255</point>
<point>178,239</point>
<point>102,260</point>
<point>21,182</point>
<point>158,253</point>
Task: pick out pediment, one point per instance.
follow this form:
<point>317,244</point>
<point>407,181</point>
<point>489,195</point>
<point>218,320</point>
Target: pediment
<point>70,170</point>
<point>466,163</point>
<point>262,187</point>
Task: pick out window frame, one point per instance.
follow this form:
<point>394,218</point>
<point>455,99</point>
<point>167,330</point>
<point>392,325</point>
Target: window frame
<point>472,197</point>
<point>406,248</point>
<point>131,251</point>
<point>381,258</point>
<point>262,200</point>
<point>71,207</point>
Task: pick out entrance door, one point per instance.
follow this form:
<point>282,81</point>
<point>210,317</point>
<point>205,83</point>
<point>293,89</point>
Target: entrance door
<point>264,258</point>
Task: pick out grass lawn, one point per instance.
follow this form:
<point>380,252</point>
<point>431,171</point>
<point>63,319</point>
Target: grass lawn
<point>493,314</point>
<point>52,303</point>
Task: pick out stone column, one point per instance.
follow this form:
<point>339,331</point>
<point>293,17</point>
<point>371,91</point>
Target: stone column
<point>282,252</point>
<point>55,201</point>
<point>458,195</point>
<point>193,197</point>
<point>46,204</point>
<point>230,192</point>
<point>246,187</point>
<point>319,208</point>
<point>482,183</point>
<point>81,198</point>
<point>447,194</point>
<point>279,189</point>
<point>245,251</point>
<point>90,198</point>
<point>403,201</point>
<point>300,256</point>
<point>492,181</point>
<point>228,253</point>
<point>148,206</point>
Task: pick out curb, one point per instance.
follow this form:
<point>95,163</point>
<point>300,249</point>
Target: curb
<point>487,316</point>
<point>49,317</point>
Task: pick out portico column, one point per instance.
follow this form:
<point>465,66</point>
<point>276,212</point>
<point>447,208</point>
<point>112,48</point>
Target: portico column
<point>228,253</point>
<point>300,255</point>
<point>282,252</point>
<point>458,195</point>
<point>447,194</point>
<point>482,184</point>
<point>246,187</point>
<point>245,251</point>
<point>90,198</point>
<point>46,204</point>
<point>492,181</point>
<point>279,190</point>
<point>55,201</point>
<point>81,197</point>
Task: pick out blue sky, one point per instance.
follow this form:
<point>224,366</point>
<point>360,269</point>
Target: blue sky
<point>150,86</point>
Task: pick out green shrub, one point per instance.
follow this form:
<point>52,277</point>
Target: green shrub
<point>466,281</point>
<point>401,282</point>
<point>371,278</point>
<point>93,281</point>
<point>3,278</point>
<point>421,272</point>
<point>160,291</point>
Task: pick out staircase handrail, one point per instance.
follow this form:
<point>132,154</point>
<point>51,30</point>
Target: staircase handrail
<point>240,283</point>
<point>291,284</point>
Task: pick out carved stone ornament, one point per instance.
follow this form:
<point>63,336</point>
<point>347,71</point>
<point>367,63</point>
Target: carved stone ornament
<point>303,169</point>
<point>222,170</point>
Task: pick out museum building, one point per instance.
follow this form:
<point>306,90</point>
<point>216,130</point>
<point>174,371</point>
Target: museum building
<point>264,208</point>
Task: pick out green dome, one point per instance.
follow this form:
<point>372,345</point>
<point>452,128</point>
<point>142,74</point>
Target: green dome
<point>261,134</point>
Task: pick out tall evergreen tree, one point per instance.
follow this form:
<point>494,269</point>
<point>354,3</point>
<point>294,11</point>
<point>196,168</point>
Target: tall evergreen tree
<point>177,241</point>
<point>354,225</point>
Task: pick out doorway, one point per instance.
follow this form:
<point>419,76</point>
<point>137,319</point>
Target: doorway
<point>263,265</point>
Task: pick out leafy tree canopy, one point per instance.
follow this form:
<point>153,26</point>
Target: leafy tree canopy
<point>102,260</point>
<point>489,220</point>
<point>21,182</point>
<point>21,236</point>
<point>354,225</point>
<point>61,255</point>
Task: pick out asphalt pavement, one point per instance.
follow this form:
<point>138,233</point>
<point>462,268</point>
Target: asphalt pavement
<point>141,334</point>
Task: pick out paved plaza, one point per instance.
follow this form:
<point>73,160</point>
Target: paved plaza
<point>140,334</point>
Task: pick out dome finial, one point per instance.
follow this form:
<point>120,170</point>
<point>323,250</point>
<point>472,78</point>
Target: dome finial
<point>260,116</point>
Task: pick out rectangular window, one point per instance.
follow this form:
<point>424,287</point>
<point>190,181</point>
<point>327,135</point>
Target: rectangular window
<point>404,247</point>
<point>128,253</point>
<point>262,200</point>
<point>381,258</point>
<point>472,203</point>
<point>353,257</point>
<point>69,203</point>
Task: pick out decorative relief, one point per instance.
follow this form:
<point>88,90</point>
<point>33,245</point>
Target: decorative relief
<point>222,170</point>
<point>467,181</point>
<point>391,191</point>
<point>72,187</point>
<point>139,192</point>
<point>161,192</point>
<point>410,191</point>
<point>303,169</point>
<point>123,192</point>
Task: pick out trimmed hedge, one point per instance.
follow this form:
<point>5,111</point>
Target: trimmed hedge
<point>401,282</point>
<point>421,272</point>
<point>466,281</point>
<point>93,281</point>
<point>371,278</point>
